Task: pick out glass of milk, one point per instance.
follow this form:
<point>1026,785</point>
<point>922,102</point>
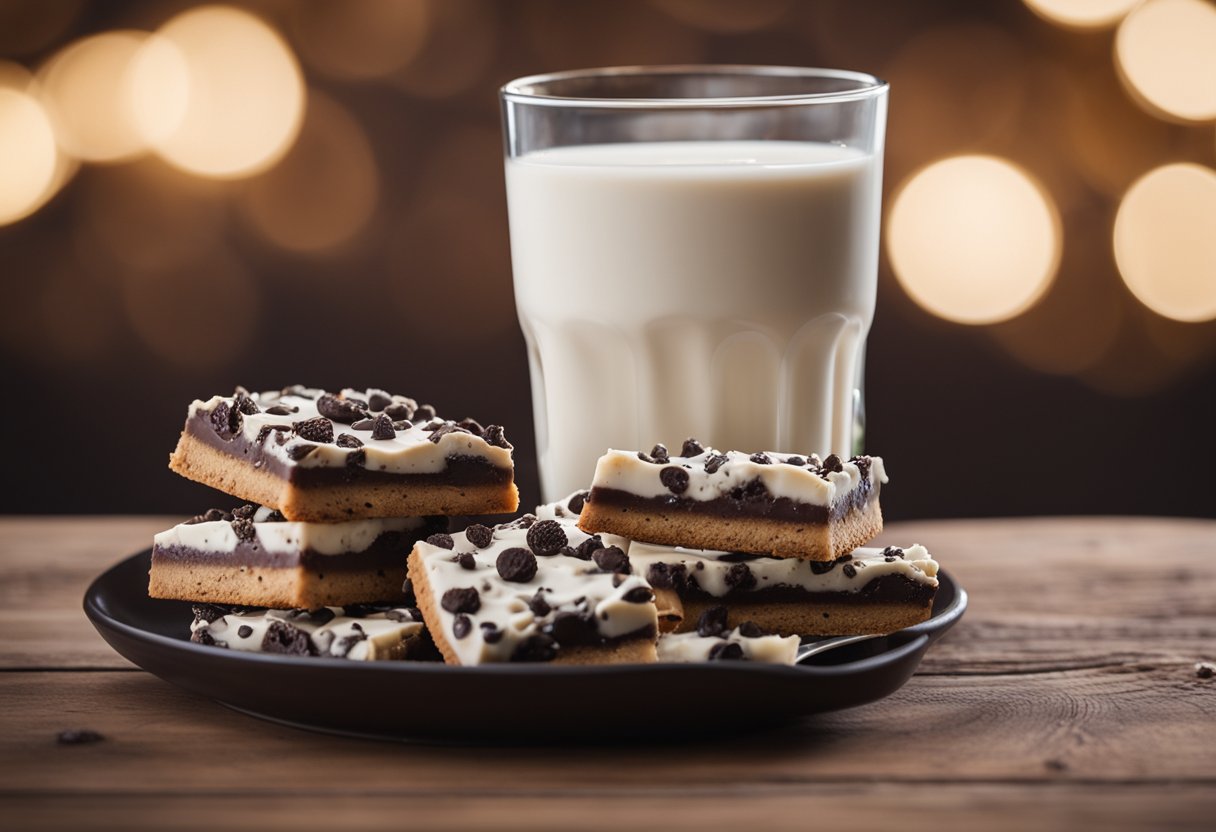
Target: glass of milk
<point>695,253</point>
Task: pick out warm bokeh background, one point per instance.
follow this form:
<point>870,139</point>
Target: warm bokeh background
<point>326,206</point>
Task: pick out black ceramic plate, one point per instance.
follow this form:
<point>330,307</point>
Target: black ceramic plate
<point>494,703</point>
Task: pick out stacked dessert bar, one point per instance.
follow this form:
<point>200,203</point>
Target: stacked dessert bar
<point>340,487</point>
<point>777,541</point>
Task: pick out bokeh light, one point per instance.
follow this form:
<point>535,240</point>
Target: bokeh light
<point>324,191</point>
<point>1165,241</point>
<point>243,90</point>
<point>359,39</point>
<point>1166,51</point>
<point>86,90</point>
<point>973,239</point>
<point>28,155</point>
<point>1082,14</point>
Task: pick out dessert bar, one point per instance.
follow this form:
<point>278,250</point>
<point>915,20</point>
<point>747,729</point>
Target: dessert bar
<point>325,457</point>
<point>356,633</point>
<point>713,640</point>
<point>784,505</point>
<point>869,590</point>
<point>253,556</point>
<point>533,590</point>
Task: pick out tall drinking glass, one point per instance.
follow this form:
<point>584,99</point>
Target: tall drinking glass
<point>695,253</point>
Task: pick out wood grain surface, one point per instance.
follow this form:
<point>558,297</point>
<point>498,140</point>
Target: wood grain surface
<point>1067,698</point>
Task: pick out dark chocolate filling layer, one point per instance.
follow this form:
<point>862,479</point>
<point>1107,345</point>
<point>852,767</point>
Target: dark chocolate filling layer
<point>387,551</point>
<point>748,501</point>
<point>889,589</point>
<point>460,470</point>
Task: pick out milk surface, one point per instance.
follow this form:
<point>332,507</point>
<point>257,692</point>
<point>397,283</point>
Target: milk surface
<point>721,290</point>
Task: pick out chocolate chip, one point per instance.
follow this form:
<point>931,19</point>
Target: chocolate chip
<point>796,460</point>
<point>444,430</point>
<point>535,648</point>
<point>282,410</point>
<point>244,512</point>
<point>364,424</point>
<point>547,538</point>
<point>750,629</point>
<point>490,634</point>
<point>403,615</point>
<point>713,462</point>
<point>479,535</point>
<point>398,411</point>
<point>266,430</point>
<point>275,516</point>
<point>208,612</point>
<point>382,428</point>
<point>517,565</point>
<point>850,570</point>
<point>244,631</point>
<point>378,400</point>
<point>575,504</point>
<point>342,647</point>
<point>639,595</point>
<point>209,516</point>
<point>286,639</point>
<point>301,450</point>
<point>463,599</point>
<point>587,548</point>
<point>78,736</point>
<point>402,424</point>
<point>761,458</point>
<point>343,411</point>
<point>674,479</point>
<point>611,559</point>
<point>659,454</point>
<point>712,622</point>
<point>539,606</point>
<point>740,576</point>
<point>224,420</point>
<point>442,540</point>
<point>244,530</point>
<point>461,626</point>
<point>863,464</point>
<point>832,464</point>
<point>691,447</point>
<point>472,426</point>
<point>203,637</point>
<point>346,440</point>
<point>467,561</point>
<point>893,552</point>
<point>433,425</point>
<point>356,458</point>
<point>725,651</point>
<point>423,411</point>
<point>644,457</point>
<point>243,404</point>
<point>1205,670</point>
<point>298,390</point>
<point>316,429</point>
<point>667,575</point>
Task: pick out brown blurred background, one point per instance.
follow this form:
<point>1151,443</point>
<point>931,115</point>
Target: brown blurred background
<point>333,214</point>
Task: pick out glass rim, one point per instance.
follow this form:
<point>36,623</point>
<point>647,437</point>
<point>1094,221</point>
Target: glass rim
<point>525,90</point>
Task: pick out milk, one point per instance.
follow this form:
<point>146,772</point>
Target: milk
<point>721,290</point>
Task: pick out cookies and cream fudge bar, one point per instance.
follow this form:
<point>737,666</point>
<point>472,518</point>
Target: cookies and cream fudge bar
<point>714,640</point>
<point>324,457</point>
<point>784,505</point>
<point>356,633</point>
<point>869,590</point>
<point>533,590</point>
<point>254,556</point>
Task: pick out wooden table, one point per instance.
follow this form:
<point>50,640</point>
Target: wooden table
<point>1067,698</point>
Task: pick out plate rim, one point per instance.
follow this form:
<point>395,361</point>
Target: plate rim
<point>919,636</point>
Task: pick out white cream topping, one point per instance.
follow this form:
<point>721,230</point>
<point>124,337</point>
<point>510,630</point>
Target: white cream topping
<point>710,569</point>
<point>690,647</point>
<point>362,638</point>
<point>567,585</point>
<point>286,537</point>
<point>410,451</point>
<point>625,471</point>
